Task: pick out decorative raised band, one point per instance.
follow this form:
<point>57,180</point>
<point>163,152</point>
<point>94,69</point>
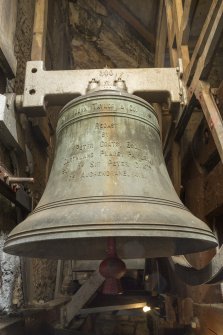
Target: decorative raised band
<point>136,100</point>
<point>112,198</point>
<point>106,114</point>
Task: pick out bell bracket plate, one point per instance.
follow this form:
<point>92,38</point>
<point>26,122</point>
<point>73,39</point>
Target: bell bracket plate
<point>56,88</point>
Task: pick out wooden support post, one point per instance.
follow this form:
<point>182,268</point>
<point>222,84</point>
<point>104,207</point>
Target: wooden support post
<point>59,278</point>
<point>188,11</point>
<point>174,13</point>
<point>178,15</point>
<point>27,275</point>
<point>171,34</point>
<point>40,126</point>
<point>79,299</point>
<point>176,166</point>
<point>219,97</point>
<point>39,30</point>
<point>161,37</point>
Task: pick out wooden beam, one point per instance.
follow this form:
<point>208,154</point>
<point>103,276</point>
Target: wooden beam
<point>202,40</point>
<point>40,129</point>
<point>212,40</point>
<point>212,114</point>
<point>59,278</point>
<point>210,317</point>
<point>80,298</point>
<point>104,309</point>
<point>27,282</point>
<point>176,166</point>
<point>161,37</point>
<point>213,30</point>
<point>37,53</point>
<point>12,326</point>
<point>160,52</point>
<point>40,126</point>
<point>35,307</point>
<point>125,14</point>
<point>219,95</point>
<point>188,12</point>
<point>174,12</point>
<point>182,50</point>
<point>171,33</point>
<point>39,30</point>
<point>177,8</point>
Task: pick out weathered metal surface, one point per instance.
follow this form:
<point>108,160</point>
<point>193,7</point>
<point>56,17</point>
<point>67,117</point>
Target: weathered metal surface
<point>210,274</point>
<point>58,87</point>
<point>8,131</point>
<point>109,179</point>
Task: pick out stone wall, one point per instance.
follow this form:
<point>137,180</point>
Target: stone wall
<point>11,290</point>
<point>100,38</point>
<point>40,273</point>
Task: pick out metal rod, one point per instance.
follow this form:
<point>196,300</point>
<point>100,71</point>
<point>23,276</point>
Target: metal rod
<point>20,180</point>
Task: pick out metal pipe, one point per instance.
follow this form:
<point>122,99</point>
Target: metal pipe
<point>20,180</point>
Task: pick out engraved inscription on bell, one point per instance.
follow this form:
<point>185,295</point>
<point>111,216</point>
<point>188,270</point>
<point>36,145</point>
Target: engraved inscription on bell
<point>111,147</point>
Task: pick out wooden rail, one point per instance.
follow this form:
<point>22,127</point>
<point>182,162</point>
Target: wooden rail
<point>195,71</point>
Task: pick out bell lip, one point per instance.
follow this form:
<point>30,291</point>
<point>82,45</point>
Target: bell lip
<point>105,92</point>
<point>148,230</point>
<point>33,247</point>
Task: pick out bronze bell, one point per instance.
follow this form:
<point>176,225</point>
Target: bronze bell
<point>109,179</point>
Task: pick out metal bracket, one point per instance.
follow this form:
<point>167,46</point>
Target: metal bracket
<point>44,88</point>
<point>8,131</point>
<point>183,91</point>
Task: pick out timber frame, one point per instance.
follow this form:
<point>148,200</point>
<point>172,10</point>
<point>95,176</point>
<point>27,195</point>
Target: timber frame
<point>194,70</point>
<point>174,26</point>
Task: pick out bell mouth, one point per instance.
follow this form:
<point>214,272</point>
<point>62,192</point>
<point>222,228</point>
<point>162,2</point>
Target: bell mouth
<point>77,245</point>
<point>80,230</point>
